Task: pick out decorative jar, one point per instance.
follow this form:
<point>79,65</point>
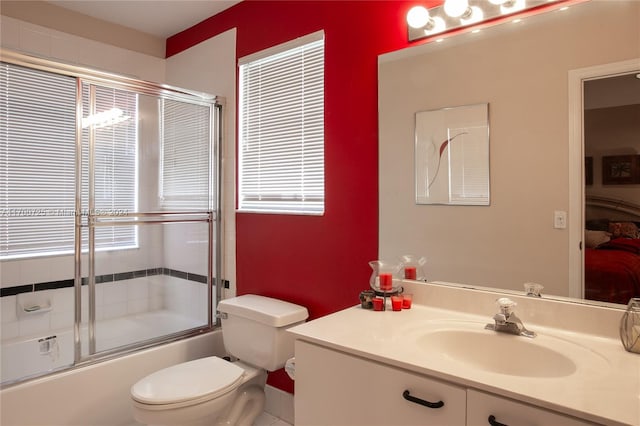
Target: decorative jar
<point>630,326</point>
<point>384,278</point>
<point>412,267</point>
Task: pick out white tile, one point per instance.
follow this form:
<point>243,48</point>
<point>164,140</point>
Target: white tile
<point>137,306</point>
<point>157,293</point>
<point>287,413</point>
<point>115,292</point>
<point>37,324</point>
<point>11,274</point>
<point>8,309</point>
<point>84,303</point>
<point>60,268</point>
<point>62,321</point>
<point>265,419</point>
<point>115,310</point>
<point>279,403</point>
<point>37,270</point>
<point>138,288</point>
<point>10,330</point>
<point>62,300</point>
<point>272,404</point>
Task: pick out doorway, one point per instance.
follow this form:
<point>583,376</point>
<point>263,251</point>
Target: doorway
<point>581,164</point>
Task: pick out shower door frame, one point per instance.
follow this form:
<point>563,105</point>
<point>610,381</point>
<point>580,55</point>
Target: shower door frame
<point>212,216</point>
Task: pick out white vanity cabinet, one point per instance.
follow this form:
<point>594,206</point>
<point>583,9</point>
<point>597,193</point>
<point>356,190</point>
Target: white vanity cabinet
<point>335,388</point>
<point>481,405</point>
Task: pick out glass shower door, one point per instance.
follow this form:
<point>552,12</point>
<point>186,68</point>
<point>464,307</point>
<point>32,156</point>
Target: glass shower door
<point>148,222</point>
<point>109,211</point>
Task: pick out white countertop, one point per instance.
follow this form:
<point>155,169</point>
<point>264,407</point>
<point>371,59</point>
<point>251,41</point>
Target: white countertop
<point>604,390</point>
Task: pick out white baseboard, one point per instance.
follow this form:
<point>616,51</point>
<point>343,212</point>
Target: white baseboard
<point>279,403</point>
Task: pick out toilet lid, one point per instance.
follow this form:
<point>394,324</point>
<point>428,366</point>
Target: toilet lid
<point>211,376</point>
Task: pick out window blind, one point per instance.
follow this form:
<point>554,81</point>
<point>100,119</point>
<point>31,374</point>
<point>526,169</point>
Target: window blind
<point>37,163</point>
<point>281,155</point>
<point>115,163</point>
<point>37,151</point>
<point>186,156</point>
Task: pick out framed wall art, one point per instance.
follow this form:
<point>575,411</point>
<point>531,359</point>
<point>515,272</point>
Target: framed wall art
<point>452,155</point>
<point>621,170</point>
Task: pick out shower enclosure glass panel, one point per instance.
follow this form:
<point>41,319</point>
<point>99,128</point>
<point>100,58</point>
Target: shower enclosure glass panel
<point>159,290</point>
<point>147,182</point>
<point>121,250</point>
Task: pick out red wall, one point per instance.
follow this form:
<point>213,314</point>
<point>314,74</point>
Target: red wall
<point>320,262</point>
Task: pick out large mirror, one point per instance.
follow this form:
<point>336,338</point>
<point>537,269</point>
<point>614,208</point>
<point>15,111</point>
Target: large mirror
<point>527,72</point>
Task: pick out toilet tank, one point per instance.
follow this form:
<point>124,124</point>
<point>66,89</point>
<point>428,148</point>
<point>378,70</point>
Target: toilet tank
<point>254,329</point>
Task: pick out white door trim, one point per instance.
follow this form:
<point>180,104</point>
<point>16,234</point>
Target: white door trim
<point>576,163</point>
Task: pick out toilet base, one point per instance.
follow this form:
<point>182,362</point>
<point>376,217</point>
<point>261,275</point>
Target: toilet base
<point>239,407</point>
<point>248,405</point>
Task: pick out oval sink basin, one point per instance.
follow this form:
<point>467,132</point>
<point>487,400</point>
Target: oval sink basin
<point>504,353</point>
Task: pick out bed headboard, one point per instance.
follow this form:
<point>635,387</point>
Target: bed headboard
<point>598,207</point>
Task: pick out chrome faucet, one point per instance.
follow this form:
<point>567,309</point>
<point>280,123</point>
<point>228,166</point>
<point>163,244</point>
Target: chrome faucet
<point>506,320</point>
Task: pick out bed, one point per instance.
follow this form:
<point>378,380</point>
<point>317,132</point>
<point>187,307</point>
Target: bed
<point>612,250</point>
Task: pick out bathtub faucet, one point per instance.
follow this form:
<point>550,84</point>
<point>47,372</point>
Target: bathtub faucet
<point>506,321</point>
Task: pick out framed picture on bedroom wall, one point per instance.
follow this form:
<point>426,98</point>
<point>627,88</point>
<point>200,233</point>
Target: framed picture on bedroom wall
<point>621,170</point>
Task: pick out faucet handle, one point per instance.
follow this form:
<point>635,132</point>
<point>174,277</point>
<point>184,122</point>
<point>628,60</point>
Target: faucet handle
<point>533,289</point>
<point>506,305</point>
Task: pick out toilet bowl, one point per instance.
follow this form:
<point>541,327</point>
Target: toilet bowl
<point>213,391</point>
<point>205,391</point>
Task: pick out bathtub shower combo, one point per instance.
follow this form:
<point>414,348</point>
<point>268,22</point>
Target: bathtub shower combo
<point>109,201</point>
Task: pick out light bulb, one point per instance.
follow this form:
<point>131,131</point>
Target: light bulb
<point>476,16</point>
<point>456,8</point>
<point>512,6</point>
<point>418,17</point>
<point>435,25</point>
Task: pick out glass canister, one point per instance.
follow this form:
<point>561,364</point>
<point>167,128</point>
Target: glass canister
<point>412,267</point>
<point>384,276</point>
<point>630,326</point>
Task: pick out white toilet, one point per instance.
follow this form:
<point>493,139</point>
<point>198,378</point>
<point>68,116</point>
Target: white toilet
<point>213,391</point>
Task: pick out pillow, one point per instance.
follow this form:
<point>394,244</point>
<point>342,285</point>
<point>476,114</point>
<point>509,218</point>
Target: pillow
<point>623,229</point>
<point>593,239</point>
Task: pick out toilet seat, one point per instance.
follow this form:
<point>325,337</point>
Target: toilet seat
<point>188,383</point>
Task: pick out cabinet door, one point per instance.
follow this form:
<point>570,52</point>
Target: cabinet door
<point>333,388</point>
<point>481,405</point>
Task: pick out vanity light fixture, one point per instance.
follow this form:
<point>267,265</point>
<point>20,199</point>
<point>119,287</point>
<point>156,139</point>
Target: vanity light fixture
<point>455,14</point>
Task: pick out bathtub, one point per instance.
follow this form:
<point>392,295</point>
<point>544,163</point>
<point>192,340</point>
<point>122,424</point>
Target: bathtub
<point>127,311</point>
<point>53,350</point>
<point>97,394</point>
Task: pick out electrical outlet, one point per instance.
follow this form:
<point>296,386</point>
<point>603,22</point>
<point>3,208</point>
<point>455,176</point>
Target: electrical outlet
<point>559,219</point>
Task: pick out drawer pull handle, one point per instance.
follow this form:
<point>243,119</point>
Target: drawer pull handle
<point>494,422</point>
<point>408,397</point>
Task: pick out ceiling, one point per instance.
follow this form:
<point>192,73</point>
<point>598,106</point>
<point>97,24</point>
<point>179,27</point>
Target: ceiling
<point>161,18</point>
